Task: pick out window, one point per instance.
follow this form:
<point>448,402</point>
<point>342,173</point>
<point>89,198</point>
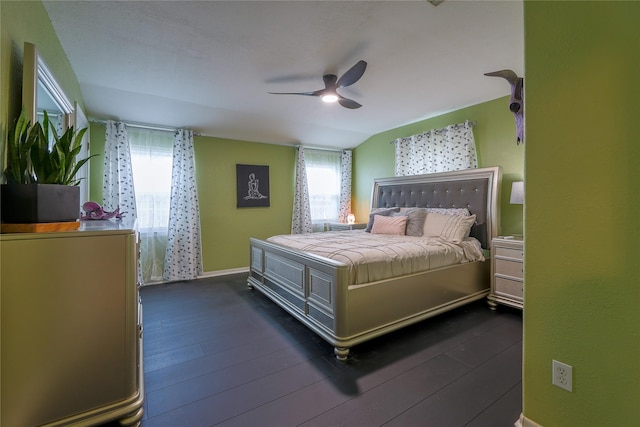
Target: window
<point>323,179</point>
<point>151,160</point>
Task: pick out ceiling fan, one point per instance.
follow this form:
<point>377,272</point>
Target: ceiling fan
<point>332,84</point>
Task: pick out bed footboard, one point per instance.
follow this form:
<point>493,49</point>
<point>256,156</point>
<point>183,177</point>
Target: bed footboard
<point>315,290</point>
<point>305,285</point>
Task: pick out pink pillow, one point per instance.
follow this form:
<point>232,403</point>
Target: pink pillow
<point>395,225</point>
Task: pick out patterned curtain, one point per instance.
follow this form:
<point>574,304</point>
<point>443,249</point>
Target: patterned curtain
<point>301,218</point>
<point>117,184</point>
<point>438,150</point>
<point>151,159</point>
<point>345,186</point>
<point>183,258</point>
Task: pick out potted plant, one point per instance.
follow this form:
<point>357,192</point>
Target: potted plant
<point>41,184</point>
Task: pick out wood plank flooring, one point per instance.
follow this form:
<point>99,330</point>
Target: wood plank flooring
<point>220,354</point>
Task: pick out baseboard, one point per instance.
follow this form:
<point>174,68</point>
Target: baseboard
<point>218,273</point>
<point>526,422</point>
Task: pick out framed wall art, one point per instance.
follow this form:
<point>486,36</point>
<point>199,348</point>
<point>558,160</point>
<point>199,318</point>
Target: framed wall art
<point>252,183</point>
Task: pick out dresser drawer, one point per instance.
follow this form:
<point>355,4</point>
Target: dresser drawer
<point>509,288</point>
<point>509,268</point>
<point>508,252</point>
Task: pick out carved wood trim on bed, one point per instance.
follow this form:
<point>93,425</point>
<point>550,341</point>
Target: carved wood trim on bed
<point>315,289</point>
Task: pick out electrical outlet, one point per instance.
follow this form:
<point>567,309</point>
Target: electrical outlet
<point>562,375</point>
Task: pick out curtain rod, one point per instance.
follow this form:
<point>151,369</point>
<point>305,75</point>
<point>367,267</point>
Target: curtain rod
<point>337,150</point>
<point>143,126</point>
<point>472,123</point>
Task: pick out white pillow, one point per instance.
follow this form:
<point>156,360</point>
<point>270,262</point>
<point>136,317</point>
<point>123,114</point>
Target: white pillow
<point>453,228</point>
<point>395,225</point>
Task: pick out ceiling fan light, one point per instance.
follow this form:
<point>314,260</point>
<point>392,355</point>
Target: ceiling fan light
<point>330,97</point>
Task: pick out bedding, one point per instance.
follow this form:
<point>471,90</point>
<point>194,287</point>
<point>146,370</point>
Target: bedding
<point>379,212</point>
<point>453,228</point>
<point>415,220</point>
<point>373,257</point>
<point>395,225</point>
<point>450,211</point>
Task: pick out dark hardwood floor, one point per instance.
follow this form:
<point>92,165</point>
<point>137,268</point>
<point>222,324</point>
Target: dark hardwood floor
<point>217,353</point>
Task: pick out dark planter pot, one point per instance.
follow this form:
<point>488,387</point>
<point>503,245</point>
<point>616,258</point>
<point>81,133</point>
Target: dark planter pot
<point>34,203</point>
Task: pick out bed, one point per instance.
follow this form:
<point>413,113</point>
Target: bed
<point>344,306</point>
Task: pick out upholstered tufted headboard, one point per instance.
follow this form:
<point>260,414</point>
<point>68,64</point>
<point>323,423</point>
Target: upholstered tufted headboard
<point>474,189</point>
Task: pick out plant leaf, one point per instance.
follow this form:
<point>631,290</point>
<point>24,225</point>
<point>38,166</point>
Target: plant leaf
<point>30,158</point>
<point>17,168</point>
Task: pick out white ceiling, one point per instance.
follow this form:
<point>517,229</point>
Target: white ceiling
<point>208,65</point>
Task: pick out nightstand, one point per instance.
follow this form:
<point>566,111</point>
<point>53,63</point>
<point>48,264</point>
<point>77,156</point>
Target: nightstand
<point>339,226</point>
<point>507,278</point>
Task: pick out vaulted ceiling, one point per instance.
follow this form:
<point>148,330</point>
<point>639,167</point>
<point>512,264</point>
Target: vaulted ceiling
<point>209,65</point>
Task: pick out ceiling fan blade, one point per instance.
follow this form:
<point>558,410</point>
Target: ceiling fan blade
<point>316,93</point>
<point>348,103</point>
<point>353,74</point>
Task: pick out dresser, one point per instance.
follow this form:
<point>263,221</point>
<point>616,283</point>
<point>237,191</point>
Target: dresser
<point>507,278</point>
<point>71,324</point>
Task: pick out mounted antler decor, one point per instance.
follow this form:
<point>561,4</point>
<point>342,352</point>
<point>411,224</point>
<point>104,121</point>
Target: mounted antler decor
<point>516,103</point>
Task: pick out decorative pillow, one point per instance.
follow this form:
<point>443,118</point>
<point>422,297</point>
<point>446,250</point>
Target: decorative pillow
<point>395,225</point>
<point>450,211</point>
<point>379,211</point>
<point>453,228</point>
<point>415,220</point>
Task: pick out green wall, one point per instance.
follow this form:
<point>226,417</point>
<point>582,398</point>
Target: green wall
<point>28,21</point>
<point>582,170</point>
<point>216,158</point>
<point>495,138</point>
<point>225,228</point>
<point>582,276</point>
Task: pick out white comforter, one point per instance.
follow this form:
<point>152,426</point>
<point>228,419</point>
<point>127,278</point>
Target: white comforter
<point>373,257</point>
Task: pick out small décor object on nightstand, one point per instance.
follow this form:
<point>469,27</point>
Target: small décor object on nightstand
<point>507,272</point>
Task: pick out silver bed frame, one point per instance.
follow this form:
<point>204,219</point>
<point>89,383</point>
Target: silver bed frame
<point>315,290</point>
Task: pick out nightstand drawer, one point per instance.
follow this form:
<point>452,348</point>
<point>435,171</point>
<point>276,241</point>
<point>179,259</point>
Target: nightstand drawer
<point>509,268</point>
<point>510,288</point>
<point>508,252</point>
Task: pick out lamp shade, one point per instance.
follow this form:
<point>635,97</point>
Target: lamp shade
<point>517,193</point>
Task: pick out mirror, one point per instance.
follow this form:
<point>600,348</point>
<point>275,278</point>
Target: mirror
<point>41,92</point>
